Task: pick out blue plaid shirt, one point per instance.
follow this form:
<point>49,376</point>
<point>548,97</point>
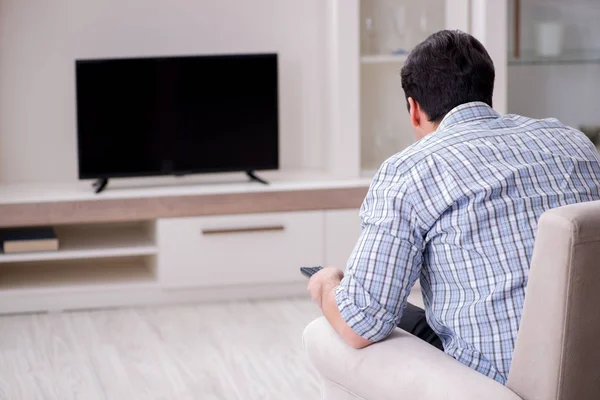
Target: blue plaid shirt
<point>459,210</point>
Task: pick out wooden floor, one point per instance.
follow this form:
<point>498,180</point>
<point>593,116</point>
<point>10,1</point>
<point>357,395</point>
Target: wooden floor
<point>241,350</point>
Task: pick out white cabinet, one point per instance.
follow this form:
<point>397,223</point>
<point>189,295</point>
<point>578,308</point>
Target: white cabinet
<point>342,228</point>
<point>238,249</point>
<point>253,248</point>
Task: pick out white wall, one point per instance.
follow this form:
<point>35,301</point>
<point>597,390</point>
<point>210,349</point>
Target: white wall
<point>39,41</point>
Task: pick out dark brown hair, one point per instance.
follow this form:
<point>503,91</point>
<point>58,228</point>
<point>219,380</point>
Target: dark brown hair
<point>446,70</point>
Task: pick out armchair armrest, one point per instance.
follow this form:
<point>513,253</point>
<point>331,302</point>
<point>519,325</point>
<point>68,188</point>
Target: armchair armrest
<point>401,367</point>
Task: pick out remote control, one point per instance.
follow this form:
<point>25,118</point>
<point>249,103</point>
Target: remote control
<point>310,271</point>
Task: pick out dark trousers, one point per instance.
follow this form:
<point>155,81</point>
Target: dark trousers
<point>413,321</point>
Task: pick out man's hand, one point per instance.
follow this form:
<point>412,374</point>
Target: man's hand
<point>323,282</point>
<point>322,286</point>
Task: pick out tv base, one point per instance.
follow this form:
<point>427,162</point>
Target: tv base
<point>253,177</point>
<point>100,184</point>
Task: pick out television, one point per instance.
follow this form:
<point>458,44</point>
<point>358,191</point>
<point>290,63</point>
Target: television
<point>176,115</point>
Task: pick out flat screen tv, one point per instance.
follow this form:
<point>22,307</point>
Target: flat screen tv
<point>177,115</point>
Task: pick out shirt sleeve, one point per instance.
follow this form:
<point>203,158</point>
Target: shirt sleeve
<point>386,261</point>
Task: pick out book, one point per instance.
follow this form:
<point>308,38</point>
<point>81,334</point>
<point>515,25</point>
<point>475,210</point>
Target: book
<point>24,240</point>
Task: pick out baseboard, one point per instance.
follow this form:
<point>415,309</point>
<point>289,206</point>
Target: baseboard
<point>12,303</point>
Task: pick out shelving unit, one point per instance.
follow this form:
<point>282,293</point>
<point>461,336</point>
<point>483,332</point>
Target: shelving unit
<point>148,246</point>
<point>93,241</point>
<point>552,53</point>
<point>364,89</point>
<point>384,124</point>
<point>90,256</point>
<point>70,275</point>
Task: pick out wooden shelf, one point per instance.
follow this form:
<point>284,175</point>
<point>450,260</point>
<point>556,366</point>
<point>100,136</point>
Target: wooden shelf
<point>71,275</point>
<point>93,242</point>
<point>384,59</point>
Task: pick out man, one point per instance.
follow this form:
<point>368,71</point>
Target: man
<point>457,210</point>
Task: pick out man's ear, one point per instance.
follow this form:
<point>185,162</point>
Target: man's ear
<point>414,111</point>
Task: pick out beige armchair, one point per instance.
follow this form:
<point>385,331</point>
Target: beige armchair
<point>557,355</point>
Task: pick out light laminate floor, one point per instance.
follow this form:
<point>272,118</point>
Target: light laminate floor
<point>238,350</point>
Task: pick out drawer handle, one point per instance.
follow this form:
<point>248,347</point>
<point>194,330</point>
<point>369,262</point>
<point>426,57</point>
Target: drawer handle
<point>274,228</point>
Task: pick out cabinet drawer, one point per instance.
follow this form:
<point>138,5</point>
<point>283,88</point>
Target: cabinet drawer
<point>238,249</point>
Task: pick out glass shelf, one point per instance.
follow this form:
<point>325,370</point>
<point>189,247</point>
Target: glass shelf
<point>384,59</point>
<point>566,57</point>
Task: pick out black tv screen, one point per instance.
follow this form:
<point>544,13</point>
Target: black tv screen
<point>177,115</point>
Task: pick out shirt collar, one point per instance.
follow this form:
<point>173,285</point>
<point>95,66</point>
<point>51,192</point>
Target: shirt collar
<point>468,112</point>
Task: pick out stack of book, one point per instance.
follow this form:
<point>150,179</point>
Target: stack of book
<point>24,240</point>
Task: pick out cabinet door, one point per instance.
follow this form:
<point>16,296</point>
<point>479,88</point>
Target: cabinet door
<point>240,249</point>
<point>342,228</point>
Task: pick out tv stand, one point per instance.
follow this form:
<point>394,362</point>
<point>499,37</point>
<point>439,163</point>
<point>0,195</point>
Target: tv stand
<point>100,184</point>
<point>253,177</point>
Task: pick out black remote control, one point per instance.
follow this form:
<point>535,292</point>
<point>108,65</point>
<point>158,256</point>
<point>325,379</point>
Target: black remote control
<point>310,271</point>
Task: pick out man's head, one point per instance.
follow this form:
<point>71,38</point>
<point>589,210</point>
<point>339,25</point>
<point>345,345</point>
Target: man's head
<point>446,70</point>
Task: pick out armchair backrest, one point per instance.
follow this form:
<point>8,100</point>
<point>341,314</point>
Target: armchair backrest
<point>557,354</point>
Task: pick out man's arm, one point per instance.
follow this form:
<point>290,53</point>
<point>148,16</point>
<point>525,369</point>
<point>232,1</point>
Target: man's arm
<point>322,287</point>
<point>365,304</point>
